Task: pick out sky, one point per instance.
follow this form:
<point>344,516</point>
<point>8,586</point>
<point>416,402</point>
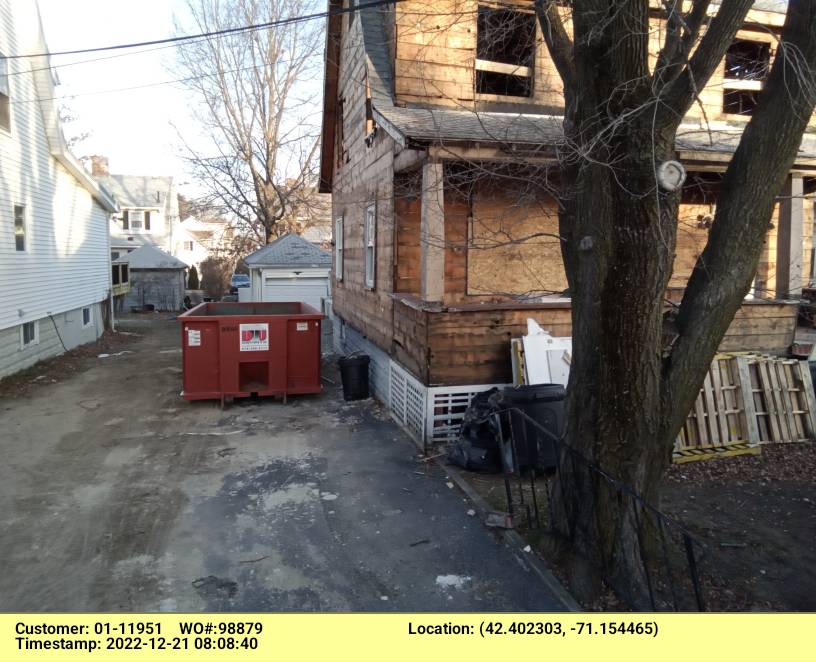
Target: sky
<point>133,128</point>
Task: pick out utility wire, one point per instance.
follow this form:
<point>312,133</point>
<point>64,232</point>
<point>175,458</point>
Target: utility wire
<point>214,33</point>
<point>145,85</point>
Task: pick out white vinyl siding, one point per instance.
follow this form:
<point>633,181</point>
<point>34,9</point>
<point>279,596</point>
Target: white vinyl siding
<point>338,248</point>
<point>370,238</point>
<point>66,262</point>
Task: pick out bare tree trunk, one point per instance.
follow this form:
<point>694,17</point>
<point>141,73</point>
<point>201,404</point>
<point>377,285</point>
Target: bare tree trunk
<point>629,393</point>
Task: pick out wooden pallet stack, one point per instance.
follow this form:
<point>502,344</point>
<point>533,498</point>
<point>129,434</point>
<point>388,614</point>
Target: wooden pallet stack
<point>747,400</point>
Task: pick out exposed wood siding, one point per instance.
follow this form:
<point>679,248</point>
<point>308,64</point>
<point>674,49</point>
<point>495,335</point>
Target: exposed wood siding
<point>366,177</point>
<point>766,271</point>
<point>470,345</point>
<point>407,206</point>
<point>457,211</point>
<point>436,56</point>
<point>66,263</point>
<point>411,339</point>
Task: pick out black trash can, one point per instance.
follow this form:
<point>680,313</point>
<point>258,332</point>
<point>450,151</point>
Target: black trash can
<point>354,374</point>
<point>544,403</point>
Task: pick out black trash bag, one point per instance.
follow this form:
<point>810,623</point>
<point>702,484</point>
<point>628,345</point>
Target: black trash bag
<point>483,460</point>
<point>477,447</point>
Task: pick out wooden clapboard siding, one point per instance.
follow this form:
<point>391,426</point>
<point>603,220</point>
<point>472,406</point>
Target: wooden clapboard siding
<point>470,343</point>
<point>762,326</point>
<point>410,340</point>
<point>766,270</point>
<point>457,210</point>
<point>367,177</point>
<point>436,56</point>
<point>407,205</point>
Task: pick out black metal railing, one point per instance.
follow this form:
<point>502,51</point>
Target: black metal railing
<point>669,562</point>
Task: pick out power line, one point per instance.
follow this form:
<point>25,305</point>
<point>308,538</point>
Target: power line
<point>145,85</point>
<point>24,72</point>
<point>215,33</point>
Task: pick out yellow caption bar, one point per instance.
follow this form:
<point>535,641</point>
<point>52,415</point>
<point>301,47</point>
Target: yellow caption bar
<point>415,637</point>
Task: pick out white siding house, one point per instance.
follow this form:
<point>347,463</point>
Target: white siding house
<point>194,241</point>
<point>55,271</point>
<point>148,209</point>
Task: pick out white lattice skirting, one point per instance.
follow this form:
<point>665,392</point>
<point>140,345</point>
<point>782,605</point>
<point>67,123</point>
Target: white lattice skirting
<point>431,414</point>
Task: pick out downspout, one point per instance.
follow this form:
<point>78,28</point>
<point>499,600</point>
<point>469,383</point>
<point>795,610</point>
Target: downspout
<point>110,272</point>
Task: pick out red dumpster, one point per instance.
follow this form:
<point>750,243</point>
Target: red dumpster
<point>233,350</point>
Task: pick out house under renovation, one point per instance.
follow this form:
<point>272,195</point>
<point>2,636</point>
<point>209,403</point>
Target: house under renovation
<point>440,119</point>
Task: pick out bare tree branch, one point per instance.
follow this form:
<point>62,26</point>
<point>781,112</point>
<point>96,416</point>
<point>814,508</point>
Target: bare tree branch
<point>256,113</point>
<point>557,40</point>
<point>706,57</point>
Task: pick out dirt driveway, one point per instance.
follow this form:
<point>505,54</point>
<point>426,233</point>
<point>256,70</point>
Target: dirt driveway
<point>116,494</point>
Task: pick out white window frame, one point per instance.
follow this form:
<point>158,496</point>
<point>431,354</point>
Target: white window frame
<point>89,323</point>
<point>132,213</point>
<point>338,248</point>
<point>35,340</point>
<point>188,246</point>
<point>370,245</point>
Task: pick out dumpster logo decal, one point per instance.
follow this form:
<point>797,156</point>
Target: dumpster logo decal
<point>254,337</point>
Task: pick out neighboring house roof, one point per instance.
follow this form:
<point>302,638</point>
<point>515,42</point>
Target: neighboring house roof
<point>201,236</point>
<point>150,257</point>
<point>132,241</point>
<point>290,250</point>
<point>138,190</point>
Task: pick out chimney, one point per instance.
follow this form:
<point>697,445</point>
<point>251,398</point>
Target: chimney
<point>99,166</point>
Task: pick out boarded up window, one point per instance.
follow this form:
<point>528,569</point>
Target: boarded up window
<point>505,47</point>
<point>513,246</point>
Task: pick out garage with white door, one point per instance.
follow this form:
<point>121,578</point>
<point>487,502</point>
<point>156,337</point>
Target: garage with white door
<point>288,269</point>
